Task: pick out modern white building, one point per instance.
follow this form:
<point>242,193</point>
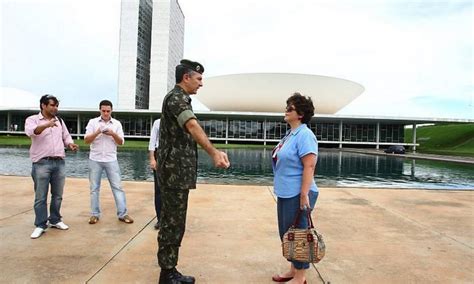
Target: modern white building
<point>167,48</point>
<point>267,92</point>
<point>151,45</point>
<point>235,108</point>
<point>247,108</point>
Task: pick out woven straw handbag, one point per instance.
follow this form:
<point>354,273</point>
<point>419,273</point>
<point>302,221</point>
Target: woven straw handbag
<point>305,245</point>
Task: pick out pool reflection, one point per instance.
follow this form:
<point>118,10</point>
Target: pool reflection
<point>253,166</point>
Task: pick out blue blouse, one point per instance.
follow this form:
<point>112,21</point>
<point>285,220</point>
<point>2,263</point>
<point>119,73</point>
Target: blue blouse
<point>287,165</point>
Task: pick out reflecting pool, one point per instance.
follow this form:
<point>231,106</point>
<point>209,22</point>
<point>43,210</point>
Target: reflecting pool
<point>253,166</point>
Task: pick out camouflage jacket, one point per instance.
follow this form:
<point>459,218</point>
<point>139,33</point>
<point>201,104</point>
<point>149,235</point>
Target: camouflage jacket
<point>177,150</point>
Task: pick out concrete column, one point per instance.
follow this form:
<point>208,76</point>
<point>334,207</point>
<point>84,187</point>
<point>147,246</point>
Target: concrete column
<point>78,125</point>
<point>227,130</point>
<point>414,138</point>
<point>265,132</point>
<point>377,135</point>
<point>340,134</point>
<point>151,123</point>
<point>9,120</point>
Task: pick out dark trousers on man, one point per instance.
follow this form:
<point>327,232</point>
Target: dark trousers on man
<point>173,224</point>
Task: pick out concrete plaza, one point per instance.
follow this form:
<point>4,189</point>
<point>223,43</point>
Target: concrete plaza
<point>372,236</point>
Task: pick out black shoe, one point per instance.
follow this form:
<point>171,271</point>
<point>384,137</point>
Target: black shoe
<point>157,225</point>
<point>172,276</point>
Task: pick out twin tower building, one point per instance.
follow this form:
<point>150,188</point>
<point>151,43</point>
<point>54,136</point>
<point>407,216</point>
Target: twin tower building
<point>151,45</point>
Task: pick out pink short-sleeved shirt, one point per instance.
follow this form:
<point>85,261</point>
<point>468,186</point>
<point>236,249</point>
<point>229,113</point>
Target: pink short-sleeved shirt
<point>51,142</point>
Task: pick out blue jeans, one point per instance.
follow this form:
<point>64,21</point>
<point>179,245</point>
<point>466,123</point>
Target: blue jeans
<point>112,171</point>
<point>46,172</point>
<point>287,208</point>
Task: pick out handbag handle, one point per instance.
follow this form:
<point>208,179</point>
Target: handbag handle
<point>308,215</point>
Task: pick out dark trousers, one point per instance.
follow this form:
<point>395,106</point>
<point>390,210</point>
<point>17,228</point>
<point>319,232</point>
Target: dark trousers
<point>157,196</point>
<point>173,225</point>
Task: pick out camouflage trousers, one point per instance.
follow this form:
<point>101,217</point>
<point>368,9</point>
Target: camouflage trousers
<point>173,224</point>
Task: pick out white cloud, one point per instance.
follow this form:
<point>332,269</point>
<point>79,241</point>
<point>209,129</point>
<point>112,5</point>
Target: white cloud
<point>398,50</point>
<point>67,48</point>
<point>17,98</point>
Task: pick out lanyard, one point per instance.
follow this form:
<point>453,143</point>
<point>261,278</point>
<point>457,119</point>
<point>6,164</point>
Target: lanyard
<point>279,146</point>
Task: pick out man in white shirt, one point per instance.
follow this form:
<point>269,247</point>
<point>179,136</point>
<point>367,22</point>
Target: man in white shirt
<point>104,133</point>
<point>152,151</point>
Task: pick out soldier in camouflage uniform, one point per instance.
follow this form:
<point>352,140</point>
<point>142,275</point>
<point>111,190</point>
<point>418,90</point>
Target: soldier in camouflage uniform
<point>180,133</point>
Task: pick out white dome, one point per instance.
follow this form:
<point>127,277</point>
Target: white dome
<point>267,92</point>
<point>18,98</point>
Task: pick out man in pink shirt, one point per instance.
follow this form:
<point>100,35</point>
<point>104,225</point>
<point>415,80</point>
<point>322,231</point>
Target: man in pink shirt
<point>49,136</point>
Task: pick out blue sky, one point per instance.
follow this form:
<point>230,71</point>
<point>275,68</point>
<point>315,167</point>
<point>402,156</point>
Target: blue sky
<point>414,58</point>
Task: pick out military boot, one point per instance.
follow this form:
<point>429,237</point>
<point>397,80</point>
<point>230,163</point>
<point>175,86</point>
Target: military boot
<point>172,276</point>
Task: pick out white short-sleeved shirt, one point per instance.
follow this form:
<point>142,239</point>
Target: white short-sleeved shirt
<point>104,148</point>
<point>154,136</point>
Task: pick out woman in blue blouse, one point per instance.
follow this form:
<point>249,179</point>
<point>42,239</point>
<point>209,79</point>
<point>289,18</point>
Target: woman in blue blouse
<point>294,164</point>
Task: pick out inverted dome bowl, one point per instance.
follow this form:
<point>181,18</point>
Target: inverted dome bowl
<point>267,92</point>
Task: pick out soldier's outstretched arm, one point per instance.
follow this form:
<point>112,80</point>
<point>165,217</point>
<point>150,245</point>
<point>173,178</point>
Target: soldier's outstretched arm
<point>220,158</point>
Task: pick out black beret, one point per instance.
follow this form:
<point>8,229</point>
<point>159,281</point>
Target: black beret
<point>195,66</point>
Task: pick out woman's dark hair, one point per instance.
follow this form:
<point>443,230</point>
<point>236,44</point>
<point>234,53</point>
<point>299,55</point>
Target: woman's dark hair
<point>303,106</point>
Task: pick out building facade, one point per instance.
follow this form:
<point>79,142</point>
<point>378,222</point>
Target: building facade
<point>167,48</point>
<point>334,131</point>
<point>148,31</point>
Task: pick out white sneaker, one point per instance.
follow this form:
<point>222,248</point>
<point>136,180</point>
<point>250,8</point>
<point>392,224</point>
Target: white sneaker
<point>60,225</point>
<point>37,233</point>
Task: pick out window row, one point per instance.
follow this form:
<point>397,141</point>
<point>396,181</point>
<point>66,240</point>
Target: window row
<point>234,129</point>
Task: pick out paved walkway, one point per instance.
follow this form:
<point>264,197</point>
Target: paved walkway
<point>372,236</point>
